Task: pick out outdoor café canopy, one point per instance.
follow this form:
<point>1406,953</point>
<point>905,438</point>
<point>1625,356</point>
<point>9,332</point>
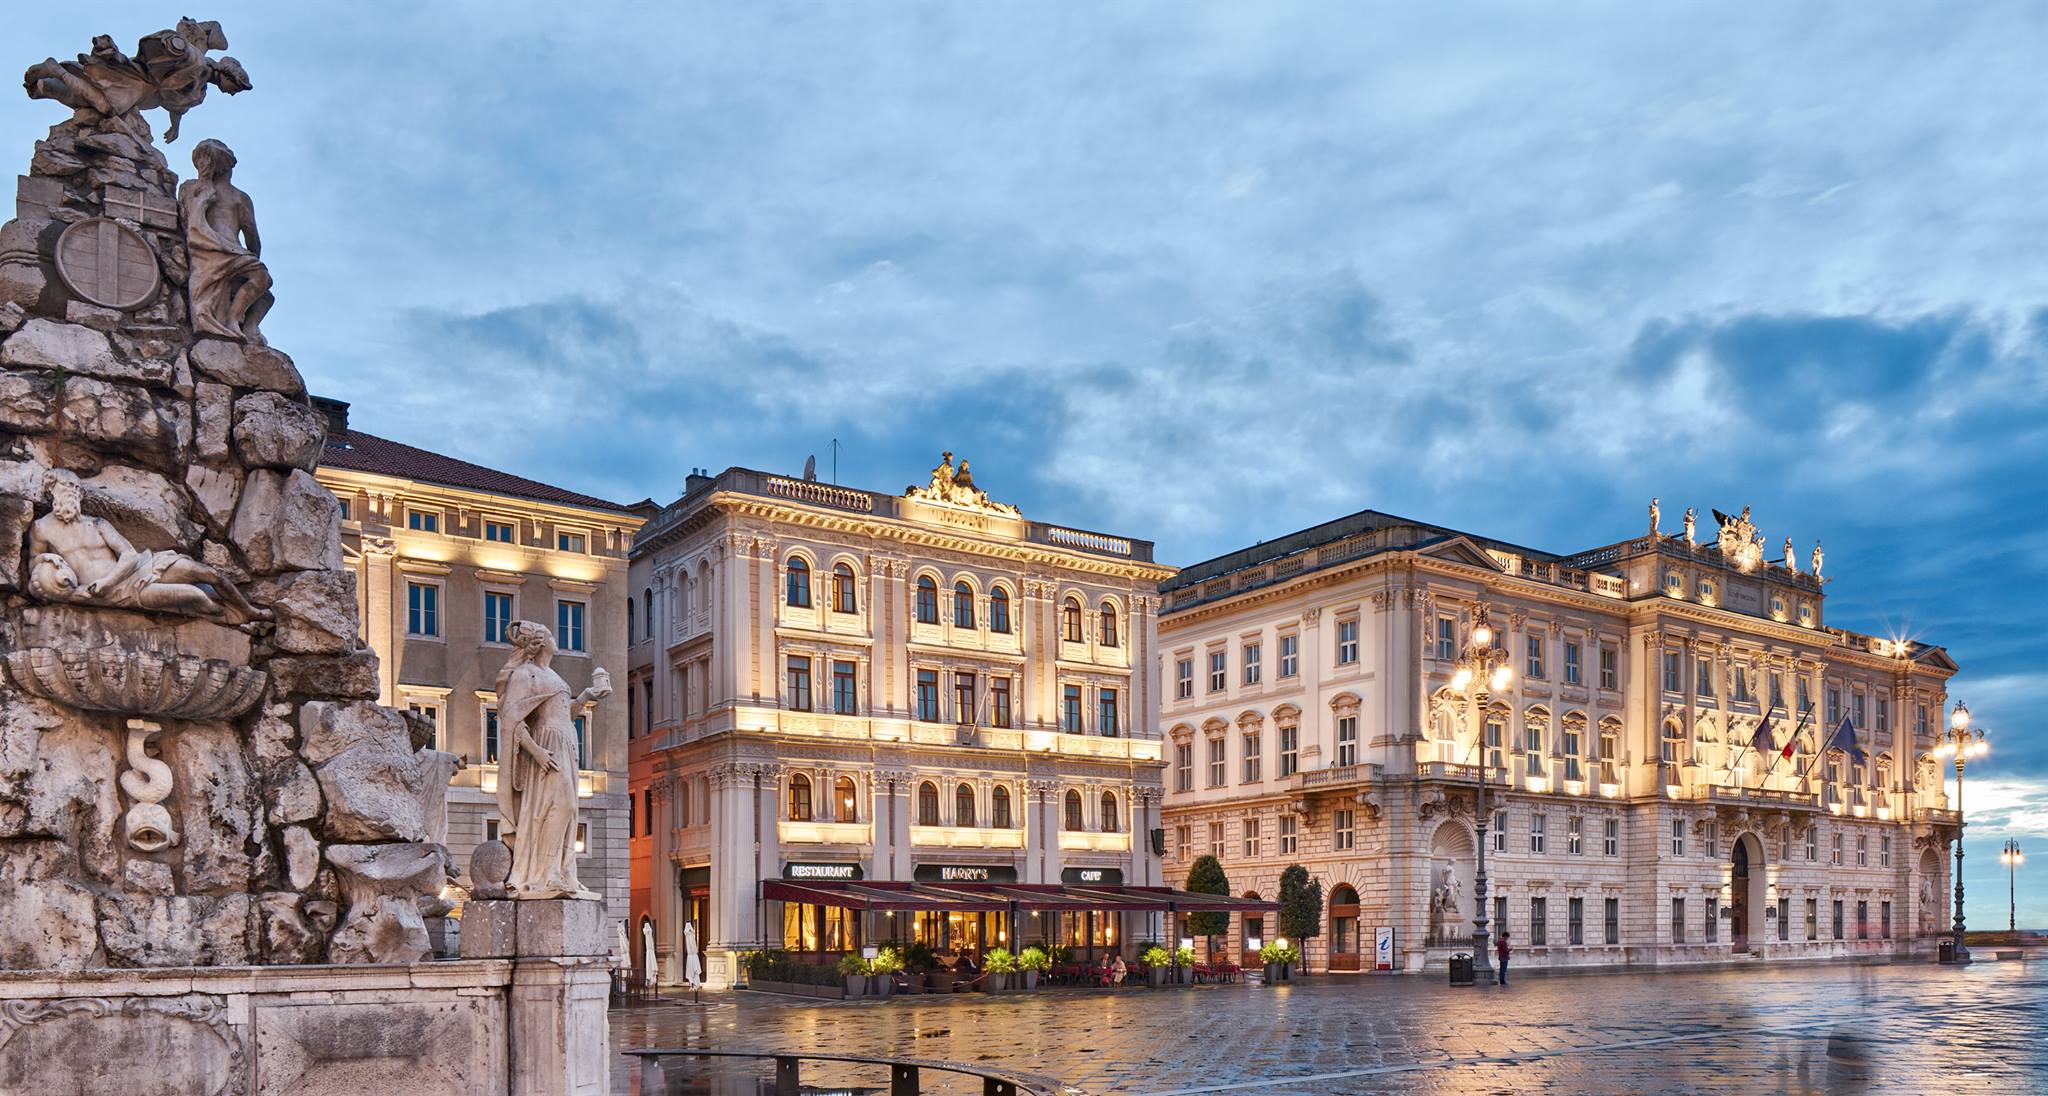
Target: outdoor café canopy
<point>996,897</point>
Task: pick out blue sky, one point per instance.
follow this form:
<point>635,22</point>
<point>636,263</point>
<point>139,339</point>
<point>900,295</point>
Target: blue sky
<point>1207,274</point>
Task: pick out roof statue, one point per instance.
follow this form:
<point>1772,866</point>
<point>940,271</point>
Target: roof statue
<point>1740,544</point>
<point>1689,519</point>
<point>1656,515</point>
<point>1791,559</point>
<point>170,69</point>
<point>1816,559</point>
<point>955,488</point>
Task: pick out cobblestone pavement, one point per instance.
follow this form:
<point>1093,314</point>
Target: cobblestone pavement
<point>1800,1029</point>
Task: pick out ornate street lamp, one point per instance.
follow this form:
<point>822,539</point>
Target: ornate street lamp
<point>2011,858</point>
<point>1482,671</point>
<point>1961,743</point>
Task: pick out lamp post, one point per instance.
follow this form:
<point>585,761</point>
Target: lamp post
<point>1483,669</point>
<point>2011,858</point>
<point>1958,741</point>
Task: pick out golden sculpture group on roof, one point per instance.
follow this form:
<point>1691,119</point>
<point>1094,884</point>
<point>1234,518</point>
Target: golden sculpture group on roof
<point>1737,539</point>
<point>955,487</point>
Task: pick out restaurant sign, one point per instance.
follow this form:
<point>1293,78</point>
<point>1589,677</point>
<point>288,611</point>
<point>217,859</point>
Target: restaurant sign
<point>964,873</point>
<point>797,870</point>
<point>1092,877</point>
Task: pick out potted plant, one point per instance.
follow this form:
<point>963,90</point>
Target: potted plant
<point>1156,961</point>
<point>1278,956</point>
<point>854,969</point>
<point>1033,961</point>
<point>1301,906</point>
<point>918,960</point>
<point>882,972</point>
<point>1001,965</point>
<point>1183,961</point>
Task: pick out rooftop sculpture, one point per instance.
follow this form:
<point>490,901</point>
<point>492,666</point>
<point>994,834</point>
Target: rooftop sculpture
<point>170,70</point>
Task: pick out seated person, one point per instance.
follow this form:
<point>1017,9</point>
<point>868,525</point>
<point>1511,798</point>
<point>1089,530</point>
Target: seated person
<point>1118,970</point>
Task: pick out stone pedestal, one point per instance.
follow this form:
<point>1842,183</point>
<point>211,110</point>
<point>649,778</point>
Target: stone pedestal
<point>561,988</point>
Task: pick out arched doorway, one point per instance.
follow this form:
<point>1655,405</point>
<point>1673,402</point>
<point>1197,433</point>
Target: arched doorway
<point>1343,928</point>
<point>1254,936</point>
<point>1746,892</point>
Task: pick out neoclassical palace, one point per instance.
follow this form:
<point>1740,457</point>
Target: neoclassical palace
<point>1314,714</point>
<point>858,717</point>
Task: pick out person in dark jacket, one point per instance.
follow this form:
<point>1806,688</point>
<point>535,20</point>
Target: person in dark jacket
<point>1500,949</point>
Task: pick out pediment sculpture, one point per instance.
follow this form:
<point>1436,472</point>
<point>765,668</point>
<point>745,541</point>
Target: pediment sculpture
<point>170,70</point>
<point>955,487</point>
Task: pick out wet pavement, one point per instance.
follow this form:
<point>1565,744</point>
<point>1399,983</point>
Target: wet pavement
<point>1812,1028</point>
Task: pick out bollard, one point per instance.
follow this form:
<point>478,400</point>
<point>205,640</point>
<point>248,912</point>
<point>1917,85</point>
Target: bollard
<point>786,1083</point>
<point>903,1080</point>
<point>991,1086</point>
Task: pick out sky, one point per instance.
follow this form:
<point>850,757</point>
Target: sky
<point>1206,273</point>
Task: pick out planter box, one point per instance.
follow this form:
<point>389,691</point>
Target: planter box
<point>856,985</point>
<point>881,985</point>
<point>1272,973</point>
<point>1156,976</point>
<point>1030,980</point>
<point>798,989</point>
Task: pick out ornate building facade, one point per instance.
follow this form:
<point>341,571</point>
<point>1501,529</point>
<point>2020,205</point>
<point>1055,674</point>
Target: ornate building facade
<point>833,687</point>
<point>447,555</point>
<point>1314,714</point>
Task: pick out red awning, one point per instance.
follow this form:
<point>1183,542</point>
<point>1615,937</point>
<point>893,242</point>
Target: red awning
<point>969,897</point>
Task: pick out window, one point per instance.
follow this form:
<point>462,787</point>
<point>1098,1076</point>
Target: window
<point>963,806</point>
<point>1344,834</point>
<point>845,689</point>
<point>1250,658</point>
<point>927,600</point>
<point>1610,916</point>
<point>1534,663</point>
<point>963,605</point>
<point>1838,918</point>
<point>1074,812</point>
<point>1862,919</point>
<point>999,808</point>
<point>1921,724</point>
<point>1539,922</point>
<point>1674,673</point>
<point>999,702</point>
<point>1574,743</point>
<point>1678,837</point>
<point>1812,844</point>
<point>647,605</point>
<point>1347,642</point>
<point>1703,678</point>
<point>1112,822</point>
<point>1105,713</point>
<point>1219,670</point>
<point>571,542</point>
<point>1834,709</point>
<point>799,798</point>
<point>569,624</point>
<point>800,683</point>
<point>1539,826</point>
<point>432,713</point>
<point>1496,733</point>
<point>422,609</point>
<point>1107,625</point>
<point>1290,749</point>
<point>1500,831</point>
<point>1532,745</point>
<point>1500,913</point>
<point>1835,849</point>
<point>491,735</point>
<point>1784,918</point>
<point>499,531</point>
<point>927,804</point>
<point>1250,757</point>
<point>966,706</point>
<point>1777,689</point>
<point>497,616</point>
<point>1216,840</point>
<point>1571,663</point>
<point>1071,620</point>
<point>1251,837</point>
<point>1884,852</point>
<point>424,521</point>
<point>1673,741</point>
<point>1610,668</point>
<point>1713,920</point>
<point>1884,910</point>
<point>1347,740</point>
<point>798,593</point>
<point>1813,919</point>
<point>928,696</point>
<point>1610,837</point>
<point>1216,762</point>
<point>999,611</point>
<point>1183,767</point>
<point>1857,706</point>
<point>1884,715</point>
<point>1070,710</point>
<point>1713,840</point>
<point>1182,843</point>
<point>1290,655</point>
<point>1574,835</point>
<point>1862,850</point>
<point>582,727</point>
<point>1805,696</point>
<point>1290,839</point>
<point>845,598</point>
<point>347,508</point>
<point>1446,638</point>
<point>1678,920</point>
<point>1183,678</point>
<point>629,621</point>
<point>1739,686</point>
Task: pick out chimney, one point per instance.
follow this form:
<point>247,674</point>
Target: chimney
<point>699,477</point>
<point>336,412</point>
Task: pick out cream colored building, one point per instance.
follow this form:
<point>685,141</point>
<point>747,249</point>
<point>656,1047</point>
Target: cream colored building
<point>447,553</point>
<point>1310,718</point>
<point>838,691</point>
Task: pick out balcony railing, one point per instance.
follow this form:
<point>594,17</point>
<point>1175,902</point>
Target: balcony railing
<point>1754,797</point>
<point>1083,841</point>
<point>1336,776</point>
<point>1939,816</point>
<point>966,837</point>
<point>824,833</point>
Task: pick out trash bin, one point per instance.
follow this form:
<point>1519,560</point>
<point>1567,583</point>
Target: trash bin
<point>1461,970</point>
<point>1947,951</point>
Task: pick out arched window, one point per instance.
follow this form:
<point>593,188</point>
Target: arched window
<point>1108,624</point>
<point>799,593</point>
<point>1110,822</point>
<point>927,804</point>
<point>999,808</point>
<point>843,599</point>
<point>963,605</point>
<point>963,806</point>
<point>647,609</point>
<point>1073,810</point>
<point>845,800</point>
<point>799,798</point>
<point>927,600</point>
<point>629,628</point>
<point>999,610</point>
<point>1070,621</point>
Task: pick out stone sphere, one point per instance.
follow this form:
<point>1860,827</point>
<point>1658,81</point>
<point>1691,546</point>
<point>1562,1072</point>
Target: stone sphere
<point>489,866</point>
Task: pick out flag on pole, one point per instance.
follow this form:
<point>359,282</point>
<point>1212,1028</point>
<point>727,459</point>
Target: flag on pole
<point>1764,741</point>
<point>1792,740</point>
<point>1844,739</point>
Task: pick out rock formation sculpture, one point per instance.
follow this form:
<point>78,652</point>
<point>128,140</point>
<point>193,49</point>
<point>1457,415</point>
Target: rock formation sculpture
<point>537,784</point>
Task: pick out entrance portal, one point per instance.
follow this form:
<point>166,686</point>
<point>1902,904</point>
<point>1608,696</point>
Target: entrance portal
<point>1746,885</point>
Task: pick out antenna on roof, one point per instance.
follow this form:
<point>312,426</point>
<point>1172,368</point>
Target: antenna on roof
<point>835,461</point>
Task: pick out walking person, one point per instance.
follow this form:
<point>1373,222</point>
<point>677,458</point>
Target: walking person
<point>1500,950</point>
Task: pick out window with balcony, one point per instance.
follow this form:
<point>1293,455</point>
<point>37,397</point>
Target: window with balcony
<point>845,801</point>
<point>999,702</point>
<point>1533,667</point>
<point>927,804</point>
<point>1290,655</point>
<point>800,683</point>
<point>1610,753</point>
<point>1219,670</point>
<point>1106,625</point>
<point>1183,678</point>
<point>1250,657</point>
<point>1344,831</point>
<point>999,808</point>
<point>1074,822</point>
<point>1105,713</point>
<point>1217,764</point>
<point>1290,750</point>
<point>1070,709</point>
<point>845,689</point>
<point>963,606</point>
<point>1070,621</point>
<point>1251,757</point>
<point>963,805</point>
<point>845,592</point>
<point>927,600</point>
<point>999,611</point>
<point>1347,642</point>
<point>1610,668</point>
<point>928,696</point>
<point>1290,837</point>
<point>1112,819</point>
<point>797,592</point>
<point>799,798</point>
<point>1347,740</point>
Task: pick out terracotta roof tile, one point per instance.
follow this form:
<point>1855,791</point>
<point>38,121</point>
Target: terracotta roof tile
<point>360,452</point>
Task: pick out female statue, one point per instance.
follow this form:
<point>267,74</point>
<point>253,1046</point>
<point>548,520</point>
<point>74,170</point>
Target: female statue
<point>537,785</point>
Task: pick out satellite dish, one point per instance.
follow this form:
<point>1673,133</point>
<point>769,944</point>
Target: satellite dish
<point>811,468</point>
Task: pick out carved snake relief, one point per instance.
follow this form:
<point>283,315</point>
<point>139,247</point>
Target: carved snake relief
<point>148,782</point>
